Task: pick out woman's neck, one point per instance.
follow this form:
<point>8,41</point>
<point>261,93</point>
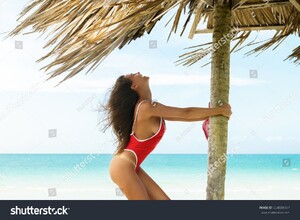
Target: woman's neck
<point>145,94</point>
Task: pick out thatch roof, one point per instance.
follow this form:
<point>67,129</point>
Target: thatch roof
<point>86,31</point>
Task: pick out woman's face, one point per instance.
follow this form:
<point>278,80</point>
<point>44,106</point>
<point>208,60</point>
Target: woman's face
<point>138,80</point>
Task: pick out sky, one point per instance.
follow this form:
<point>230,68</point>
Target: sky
<point>35,117</point>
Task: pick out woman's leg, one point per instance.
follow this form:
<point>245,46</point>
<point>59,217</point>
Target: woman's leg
<point>122,172</point>
<point>153,189</point>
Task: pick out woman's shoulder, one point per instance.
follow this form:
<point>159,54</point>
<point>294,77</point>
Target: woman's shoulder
<point>145,107</point>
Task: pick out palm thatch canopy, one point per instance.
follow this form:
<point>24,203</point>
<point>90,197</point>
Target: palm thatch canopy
<point>84,32</point>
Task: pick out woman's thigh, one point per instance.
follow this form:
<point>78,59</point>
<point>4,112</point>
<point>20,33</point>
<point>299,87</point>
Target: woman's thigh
<point>122,172</point>
<point>153,189</point>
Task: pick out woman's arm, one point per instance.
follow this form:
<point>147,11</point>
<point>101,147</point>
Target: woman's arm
<point>183,114</point>
<point>185,120</point>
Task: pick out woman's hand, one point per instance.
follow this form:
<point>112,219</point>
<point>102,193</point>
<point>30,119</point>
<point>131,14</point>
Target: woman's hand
<point>226,110</point>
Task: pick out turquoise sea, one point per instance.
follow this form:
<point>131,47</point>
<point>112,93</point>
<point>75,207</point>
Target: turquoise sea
<point>182,176</point>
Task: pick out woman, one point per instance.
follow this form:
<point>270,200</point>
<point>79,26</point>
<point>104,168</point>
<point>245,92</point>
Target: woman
<point>139,124</point>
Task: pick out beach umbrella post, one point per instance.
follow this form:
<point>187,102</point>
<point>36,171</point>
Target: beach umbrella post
<point>219,91</point>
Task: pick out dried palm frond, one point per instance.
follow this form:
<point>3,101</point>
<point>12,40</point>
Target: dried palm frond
<point>84,32</point>
<point>295,54</point>
<point>285,15</point>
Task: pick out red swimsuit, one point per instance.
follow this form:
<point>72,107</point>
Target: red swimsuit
<point>142,148</point>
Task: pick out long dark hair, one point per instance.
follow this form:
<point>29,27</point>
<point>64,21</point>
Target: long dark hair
<point>119,111</point>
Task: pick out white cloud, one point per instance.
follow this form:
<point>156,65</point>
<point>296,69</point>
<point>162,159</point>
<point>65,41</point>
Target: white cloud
<point>22,83</point>
<point>280,138</point>
<point>274,138</point>
<point>176,79</point>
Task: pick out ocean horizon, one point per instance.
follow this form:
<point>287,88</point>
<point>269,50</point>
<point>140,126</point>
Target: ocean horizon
<point>181,176</point>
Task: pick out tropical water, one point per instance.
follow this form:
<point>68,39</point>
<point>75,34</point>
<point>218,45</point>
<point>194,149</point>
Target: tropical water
<point>181,176</point>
